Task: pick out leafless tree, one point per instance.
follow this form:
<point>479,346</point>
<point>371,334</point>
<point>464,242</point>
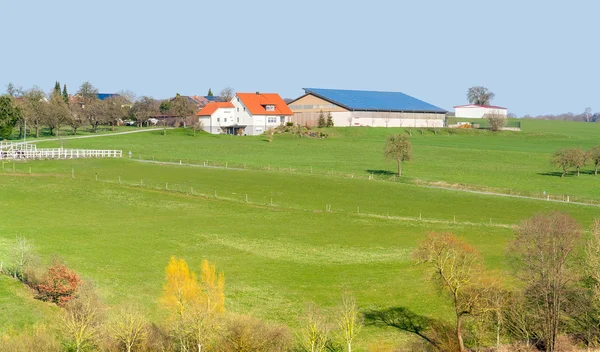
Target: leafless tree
<point>35,108</point>
<point>587,114</point>
<point>594,157</point>
<point>58,113</point>
<point>314,335</point>
<point>226,94</point>
<point>542,250</point>
<point>245,333</point>
<point>116,110</point>
<point>350,320</point>
<point>496,121</point>
<point>82,319</point>
<point>182,107</point>
<point>128,96</point>
<point>129,327</point>
<point>22,254</point>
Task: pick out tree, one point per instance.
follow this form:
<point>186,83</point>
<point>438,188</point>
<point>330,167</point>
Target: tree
<point>226,94</point>
<point>128,96</point>
<point>542,253</point>
<point>322,122</point>
<point>82,319</point>
<point>56,90</point>
<point>13,90</point>
<point>270,132</point>
<point>35,108</point>
<point>128,327</point>
<point>315,331</point>
<point>329,120</point>
<point>165,106</point>
<point>65,95</point>
<point>78,117</point>
<point>22,254</point>
<point>58,113</point>
<point>479,95</point>
<point>210,93</point>
<point>578,158</point>
<point>350,321</point>
<point>60,285</point>
<point>594,157</point>
<point>496,121</point>
<point>399,148</point>
<point>570,158</point>
<point>10,114</point>
<point>116,110</point>
<point>561,159</point>
<point>457,269</point>
<point>587,114</point>
<point>182,107</point>
<point>87,92</point>
<point>197,126</point>
<point>145,108</point>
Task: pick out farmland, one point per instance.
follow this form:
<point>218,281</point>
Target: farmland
<point>263,218</point>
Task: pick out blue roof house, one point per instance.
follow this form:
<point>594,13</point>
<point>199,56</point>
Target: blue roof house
<point>365,108</point>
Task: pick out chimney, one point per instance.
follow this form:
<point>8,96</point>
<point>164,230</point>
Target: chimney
<point>257,93</point>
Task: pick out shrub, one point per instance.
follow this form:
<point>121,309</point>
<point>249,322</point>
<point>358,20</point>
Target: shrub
<point>244,333</point>
<point>289,124</point>
<point>496,121</point>
<point>39,339</point>
<point>60,284</point>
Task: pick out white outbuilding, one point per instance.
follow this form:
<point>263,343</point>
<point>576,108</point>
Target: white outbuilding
<point>478,111</point>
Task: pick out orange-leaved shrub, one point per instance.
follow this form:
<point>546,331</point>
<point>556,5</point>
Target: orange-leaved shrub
<point>60,284</point>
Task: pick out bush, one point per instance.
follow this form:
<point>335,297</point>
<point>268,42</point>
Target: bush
<point>60,285</point>
<point>496,121</point>
<point>250,334</point>
<point>39,339</point>
<point>289,124</point>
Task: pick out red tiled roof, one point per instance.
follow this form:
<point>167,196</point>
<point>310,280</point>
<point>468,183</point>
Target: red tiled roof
<point>479,106</point>
<point>256,103</point>
<point>210,108</point>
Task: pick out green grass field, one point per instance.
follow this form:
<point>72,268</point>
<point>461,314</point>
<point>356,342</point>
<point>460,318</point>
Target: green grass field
<point>281,250</point>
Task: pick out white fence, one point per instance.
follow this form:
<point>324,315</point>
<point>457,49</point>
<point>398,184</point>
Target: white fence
<point>18,151</point>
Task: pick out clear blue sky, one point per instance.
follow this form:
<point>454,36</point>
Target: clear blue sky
<point>537,56</point>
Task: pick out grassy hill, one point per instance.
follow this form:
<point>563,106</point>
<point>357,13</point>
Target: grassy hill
<point>118,221</point>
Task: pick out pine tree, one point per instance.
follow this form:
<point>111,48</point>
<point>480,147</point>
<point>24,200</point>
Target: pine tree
<point>322,122</point>
<point>65,95</point>
<point>210,93</point>
<point>56,88</point>
<point>329,120</point>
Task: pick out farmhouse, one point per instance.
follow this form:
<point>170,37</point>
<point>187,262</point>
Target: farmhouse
<point>478,111</point>
<point>246,114</point>
<point>365,108</point>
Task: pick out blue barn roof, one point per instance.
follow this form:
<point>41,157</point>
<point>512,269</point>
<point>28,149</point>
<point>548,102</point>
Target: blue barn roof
<point>362,100</point>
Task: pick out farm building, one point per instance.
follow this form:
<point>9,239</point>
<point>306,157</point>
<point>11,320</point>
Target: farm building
<point>478,111</point>
<point>246,114</point>
<point>365,108</point>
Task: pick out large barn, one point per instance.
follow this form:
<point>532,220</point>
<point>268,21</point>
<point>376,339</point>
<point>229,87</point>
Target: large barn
<point>365,108</point>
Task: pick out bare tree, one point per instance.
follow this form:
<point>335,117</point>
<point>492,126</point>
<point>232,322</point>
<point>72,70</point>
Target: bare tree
<point>315,332</point>
<point>117,109</point>
<point>36,109</point>
<point>58,113</point>
<point>399,148</point>
<point>587,114</point>
<point>496,121</point>
<point>542,251</point>
<point>350,321</point>
<point>77,118</point>
<point>457,268</point>
<point>22,255</point>
<point>182,107</point>
<point>479,95</point>
<point>198,125</point>
<point>270,132</point>
<point>226,94</point>
<point>81,320</point>
<point>128,96</point>
<point>128,327</point>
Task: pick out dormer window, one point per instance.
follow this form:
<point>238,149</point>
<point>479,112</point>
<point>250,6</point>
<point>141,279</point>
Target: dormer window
<point>270,107</point>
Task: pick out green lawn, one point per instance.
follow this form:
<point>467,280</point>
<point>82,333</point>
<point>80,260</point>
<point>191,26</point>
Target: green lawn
<point>506,161</point>
<point>117,222</point>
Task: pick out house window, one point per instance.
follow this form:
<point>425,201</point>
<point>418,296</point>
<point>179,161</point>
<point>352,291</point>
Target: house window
<point>238,119</point>
<point>270,107</point>
<point>238,109</point>
<point>272,119</point>
<point>218,119</point>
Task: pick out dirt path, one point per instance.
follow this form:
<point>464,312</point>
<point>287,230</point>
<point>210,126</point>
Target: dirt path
<point>98,135</point>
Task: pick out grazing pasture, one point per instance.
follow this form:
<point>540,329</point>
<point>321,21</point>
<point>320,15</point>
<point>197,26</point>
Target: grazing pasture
<point>267,227</point>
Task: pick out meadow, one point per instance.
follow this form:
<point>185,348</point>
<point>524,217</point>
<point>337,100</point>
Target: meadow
<point>117,222</point>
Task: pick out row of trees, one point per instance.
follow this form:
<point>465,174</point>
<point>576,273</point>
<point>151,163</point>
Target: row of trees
<point>34,109</point>
<point>552,304</point>
<point>576,158</point>
<point>192,307</point>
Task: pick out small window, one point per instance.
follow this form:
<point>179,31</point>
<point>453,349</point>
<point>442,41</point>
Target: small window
<point>238,109</point>
<point>218,119</point>
<point>225,120</point>
<point>244,109</point>
<point>238,119</point>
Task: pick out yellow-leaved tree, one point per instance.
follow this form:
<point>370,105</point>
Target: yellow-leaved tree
<point>195,307</point>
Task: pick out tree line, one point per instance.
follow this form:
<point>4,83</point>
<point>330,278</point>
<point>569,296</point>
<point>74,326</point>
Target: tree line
<point>33,109</point>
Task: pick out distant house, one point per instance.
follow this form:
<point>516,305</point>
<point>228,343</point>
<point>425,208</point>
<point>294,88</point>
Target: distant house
<point>365,108</point>
<point>478,111</point>
<point>246,114</point>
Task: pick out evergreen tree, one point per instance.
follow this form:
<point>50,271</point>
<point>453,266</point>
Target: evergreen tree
<point>322,122</point>
<point>329,120</point>
<point>210,93</point>
<point>65,95</point>
<point>9,115</point>
<point>56,88</point>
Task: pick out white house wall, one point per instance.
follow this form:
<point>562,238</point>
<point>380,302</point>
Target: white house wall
<point>240,116</point>
<point>477,112</point>
<point>373,119</point>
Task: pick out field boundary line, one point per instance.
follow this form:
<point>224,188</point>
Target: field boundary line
<point>97,135</point>
<point>453,189</point>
